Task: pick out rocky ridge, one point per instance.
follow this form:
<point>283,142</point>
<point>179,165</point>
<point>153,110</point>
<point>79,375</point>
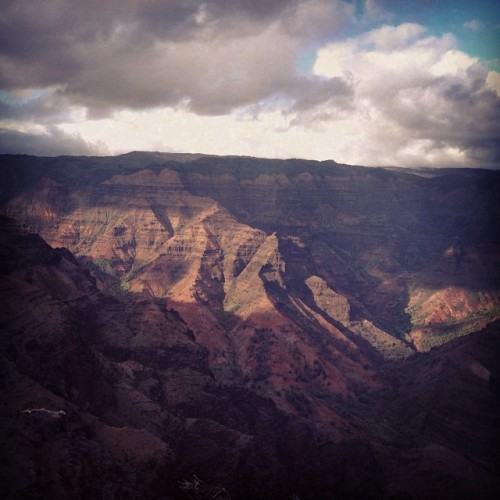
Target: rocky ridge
<point>284,294</point>
<point>103,398</point>
<point>398,247</point>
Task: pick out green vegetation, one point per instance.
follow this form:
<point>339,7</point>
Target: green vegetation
<point>103,266</point>
<point>103,270</point>
<point>137,266</point>
<point>437,334</point>
<point>440,334</point>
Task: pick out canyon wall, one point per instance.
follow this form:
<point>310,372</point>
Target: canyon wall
<point>414,254</point>
<point>229,311</point>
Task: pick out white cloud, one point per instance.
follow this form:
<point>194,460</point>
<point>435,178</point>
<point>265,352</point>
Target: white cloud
<point>418,100</point>
<point>374,11</point>
<point>493,81</point>
<point>401,97</point>
<point>222,77</point>
<point>453,62</point>
<point>474,25</point>
<point>391,38</point>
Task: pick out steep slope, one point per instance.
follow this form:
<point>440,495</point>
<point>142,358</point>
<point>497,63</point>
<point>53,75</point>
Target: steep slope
<point>103,398</point>
<point>397,246</point>
<point>149,233</point>
<point>256,320</point>
<point>379,237</point>
<point>294,275</point>
<point>109,399</point>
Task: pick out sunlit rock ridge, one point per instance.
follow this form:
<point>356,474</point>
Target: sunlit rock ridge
<point>215,298</point>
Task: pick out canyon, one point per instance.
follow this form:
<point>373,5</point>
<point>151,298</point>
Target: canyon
<point>194,326</point>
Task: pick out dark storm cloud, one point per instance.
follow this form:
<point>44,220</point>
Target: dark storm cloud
<point>41,107</point>
<point>211,57</point>
<point>53,143</point>
<point>311,93</point>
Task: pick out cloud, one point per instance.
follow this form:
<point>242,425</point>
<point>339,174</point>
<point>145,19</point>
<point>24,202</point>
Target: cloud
<point>43,106</point>
<point>208,57</point>
<point>389,39</point>
<point>51,142</point>
<point>375,10</point>
<point>418,96</point>
<point>474,25</point>
<point>222,76</point>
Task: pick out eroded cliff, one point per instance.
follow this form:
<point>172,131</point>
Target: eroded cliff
<point>210,296</point>
<point>399,247</point>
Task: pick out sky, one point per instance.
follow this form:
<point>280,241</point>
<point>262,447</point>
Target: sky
<point>411,83</point>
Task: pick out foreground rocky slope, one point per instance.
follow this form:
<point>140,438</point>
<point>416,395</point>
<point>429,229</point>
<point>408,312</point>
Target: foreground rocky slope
<point>253,323</point>
<point>104,398</point>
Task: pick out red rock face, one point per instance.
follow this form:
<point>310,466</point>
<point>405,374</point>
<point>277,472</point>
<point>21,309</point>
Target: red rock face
<point>395,247</point>
<point>223,294</point>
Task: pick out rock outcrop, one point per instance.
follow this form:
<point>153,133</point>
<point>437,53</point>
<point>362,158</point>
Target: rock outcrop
<point>255,327</point>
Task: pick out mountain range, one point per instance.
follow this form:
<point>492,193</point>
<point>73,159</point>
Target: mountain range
<point>192,326</point>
